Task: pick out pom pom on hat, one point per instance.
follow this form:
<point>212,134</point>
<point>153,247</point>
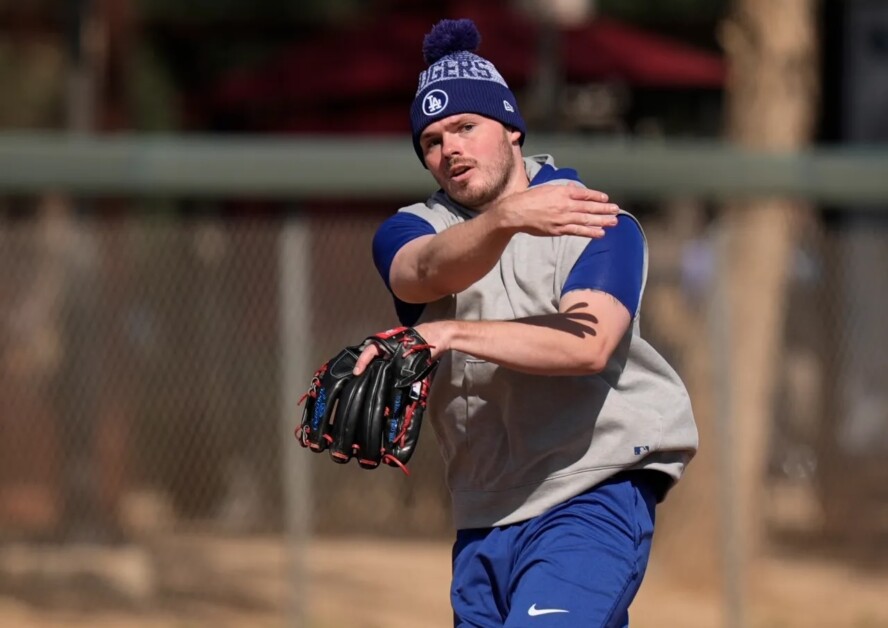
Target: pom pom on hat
<point>449,36</point>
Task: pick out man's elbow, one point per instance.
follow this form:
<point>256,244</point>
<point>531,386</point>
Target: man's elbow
<point>593,367</point>
<point>435,285</point>
<point>421,288</point>
<point>422,271</point>
<point>593,362</point>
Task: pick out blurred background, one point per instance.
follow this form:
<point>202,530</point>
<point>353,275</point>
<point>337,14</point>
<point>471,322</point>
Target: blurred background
<point>188,191</point>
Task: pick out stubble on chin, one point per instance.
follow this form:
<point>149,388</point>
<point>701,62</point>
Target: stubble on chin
<point>468,195</point>
<point>483,193</point>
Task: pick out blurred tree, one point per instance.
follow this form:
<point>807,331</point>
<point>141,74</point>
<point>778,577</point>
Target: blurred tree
<point>67,64</point>
<point>772,103</point>
<point>32,65</point>
<point>773,96</point>
<point>32,69</point>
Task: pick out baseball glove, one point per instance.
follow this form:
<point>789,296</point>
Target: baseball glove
<point>376,416</point>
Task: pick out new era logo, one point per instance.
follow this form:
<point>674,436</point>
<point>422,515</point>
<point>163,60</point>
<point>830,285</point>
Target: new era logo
<point>508,106</point>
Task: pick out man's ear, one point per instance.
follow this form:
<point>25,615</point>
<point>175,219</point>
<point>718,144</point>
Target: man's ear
<point>514,136</point>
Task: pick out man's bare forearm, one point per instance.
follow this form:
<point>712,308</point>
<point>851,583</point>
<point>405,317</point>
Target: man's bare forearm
<point>555,344</point>
<point>433,267</point>
<point>456,258</point>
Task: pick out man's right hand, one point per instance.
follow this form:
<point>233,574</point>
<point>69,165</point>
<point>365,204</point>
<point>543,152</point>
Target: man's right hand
<point>555,210</point>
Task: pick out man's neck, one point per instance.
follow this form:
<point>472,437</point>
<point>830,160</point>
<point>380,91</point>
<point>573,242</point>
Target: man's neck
<point>518,182</point>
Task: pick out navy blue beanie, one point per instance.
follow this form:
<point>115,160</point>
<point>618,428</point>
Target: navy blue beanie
<point>459,81</point>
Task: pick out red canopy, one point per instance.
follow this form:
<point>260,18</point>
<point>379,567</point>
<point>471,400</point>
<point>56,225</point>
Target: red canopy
<point>610,50</point>
<point>362,78</point>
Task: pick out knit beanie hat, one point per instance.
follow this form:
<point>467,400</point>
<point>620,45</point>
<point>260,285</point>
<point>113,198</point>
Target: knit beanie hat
<point>459,81</point>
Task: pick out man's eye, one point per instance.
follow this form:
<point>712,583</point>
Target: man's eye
<point>468,126</point>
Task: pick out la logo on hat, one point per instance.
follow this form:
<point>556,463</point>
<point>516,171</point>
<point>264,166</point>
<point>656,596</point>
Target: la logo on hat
<point>434,102</point>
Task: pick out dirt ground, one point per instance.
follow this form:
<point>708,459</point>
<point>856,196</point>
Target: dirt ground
<point>200,581</point>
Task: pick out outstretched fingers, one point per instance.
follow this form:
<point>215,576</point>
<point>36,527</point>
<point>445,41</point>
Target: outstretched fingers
<point>580,193</point>
<point>584,231</point>
<point>554,210</point>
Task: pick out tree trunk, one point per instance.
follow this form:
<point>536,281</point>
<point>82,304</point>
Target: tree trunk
<point>772,95</point>
<point>773,89</point>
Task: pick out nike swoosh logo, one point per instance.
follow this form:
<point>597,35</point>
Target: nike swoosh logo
<point>533,611</point>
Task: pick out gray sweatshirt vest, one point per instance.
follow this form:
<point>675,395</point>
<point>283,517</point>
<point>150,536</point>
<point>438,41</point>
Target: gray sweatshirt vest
<point>514,444</point>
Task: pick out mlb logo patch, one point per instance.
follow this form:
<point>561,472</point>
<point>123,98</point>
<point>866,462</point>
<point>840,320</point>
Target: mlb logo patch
<point>641,449</point>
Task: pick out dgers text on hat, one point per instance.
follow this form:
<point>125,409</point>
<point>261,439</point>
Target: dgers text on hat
<point>460,65</point>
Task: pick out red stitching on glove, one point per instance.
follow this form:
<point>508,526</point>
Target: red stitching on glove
<point>390,332</point>
<point>408,419</point>
<point>389,459</point>
<point>418,347</point>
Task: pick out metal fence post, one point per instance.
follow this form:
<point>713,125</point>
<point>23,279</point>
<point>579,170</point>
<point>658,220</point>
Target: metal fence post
<point>295,318</point>
<point>720,343</point>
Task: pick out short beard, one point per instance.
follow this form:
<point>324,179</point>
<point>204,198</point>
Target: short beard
<point>502,168</point>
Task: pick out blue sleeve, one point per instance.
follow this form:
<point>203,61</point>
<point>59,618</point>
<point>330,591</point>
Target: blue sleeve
<point>394,233</point>
<point>613,264</point>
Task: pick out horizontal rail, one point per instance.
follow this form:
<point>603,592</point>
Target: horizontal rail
<point>386,167</point>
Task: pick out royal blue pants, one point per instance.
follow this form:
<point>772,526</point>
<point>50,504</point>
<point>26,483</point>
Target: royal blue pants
<point>577,565</point>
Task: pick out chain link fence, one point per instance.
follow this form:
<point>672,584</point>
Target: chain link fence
<point>141,387</point>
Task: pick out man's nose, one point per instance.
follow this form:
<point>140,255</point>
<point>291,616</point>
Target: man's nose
<point>450,145</point>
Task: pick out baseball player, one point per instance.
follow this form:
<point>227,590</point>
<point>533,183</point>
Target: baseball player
<point>560,427</point>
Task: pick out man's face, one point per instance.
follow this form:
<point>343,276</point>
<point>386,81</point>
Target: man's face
<point>472,158</point>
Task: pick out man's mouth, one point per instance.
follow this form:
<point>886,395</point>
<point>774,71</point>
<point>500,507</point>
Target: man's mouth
<point>458,173</point>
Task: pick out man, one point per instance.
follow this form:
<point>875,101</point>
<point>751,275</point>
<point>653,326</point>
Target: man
<point>560,427</point>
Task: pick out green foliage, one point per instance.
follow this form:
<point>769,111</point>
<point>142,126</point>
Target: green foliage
<point>152,95</point>
<point>31,79</point>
